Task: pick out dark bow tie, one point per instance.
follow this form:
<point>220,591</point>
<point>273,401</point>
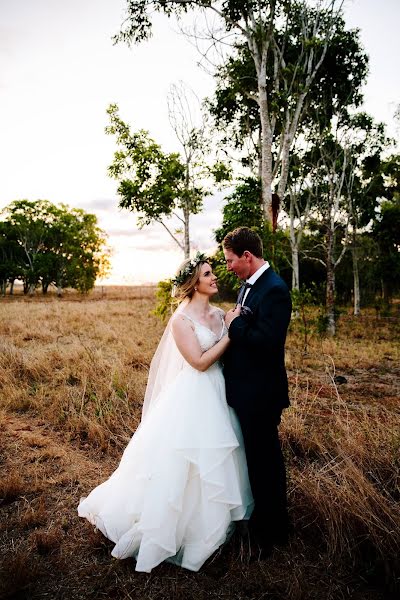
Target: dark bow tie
<point>242,291</point>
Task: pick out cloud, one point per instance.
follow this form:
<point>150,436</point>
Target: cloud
<point>119,232</point>
<point>102,204</point>
<point>143,243</point>
<point>7,40</point>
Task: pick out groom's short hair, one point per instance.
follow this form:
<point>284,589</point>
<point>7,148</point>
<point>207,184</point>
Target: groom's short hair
<point>241,239</point>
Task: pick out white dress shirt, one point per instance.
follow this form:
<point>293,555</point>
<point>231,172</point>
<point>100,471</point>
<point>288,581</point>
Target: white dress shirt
<point>254,278</point>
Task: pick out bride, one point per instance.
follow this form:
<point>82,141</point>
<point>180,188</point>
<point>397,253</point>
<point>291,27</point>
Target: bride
<point>182,480</point>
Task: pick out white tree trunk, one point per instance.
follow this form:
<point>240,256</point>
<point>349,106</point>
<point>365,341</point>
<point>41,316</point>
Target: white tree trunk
<point>266,149</point>
<point>186,216</point>
<point>330,284</point>
<point>284,172</point>
<point>330,259</point>
<point>356,278</point>
<point>295,268</point>
<point>294,247</point>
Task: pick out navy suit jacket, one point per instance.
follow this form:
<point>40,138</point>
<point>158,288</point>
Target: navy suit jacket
<point>254,364</point>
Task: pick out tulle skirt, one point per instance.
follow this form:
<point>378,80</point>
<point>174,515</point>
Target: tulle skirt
<point>182,480</point>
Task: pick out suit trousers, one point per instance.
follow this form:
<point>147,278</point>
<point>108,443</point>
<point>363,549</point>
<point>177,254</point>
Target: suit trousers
<point>267,474</point>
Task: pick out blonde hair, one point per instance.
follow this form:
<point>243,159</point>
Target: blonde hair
<point>185,288</point>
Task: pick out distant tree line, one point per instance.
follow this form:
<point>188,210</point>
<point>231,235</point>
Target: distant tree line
<point>43,244</point>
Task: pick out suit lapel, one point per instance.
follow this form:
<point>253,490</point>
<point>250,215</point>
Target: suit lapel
<point>261,284</point>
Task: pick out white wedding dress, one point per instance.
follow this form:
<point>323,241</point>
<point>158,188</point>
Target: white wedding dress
<point>182,479</point>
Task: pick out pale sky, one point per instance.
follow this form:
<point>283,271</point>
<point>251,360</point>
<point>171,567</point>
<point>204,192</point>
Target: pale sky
<point>58,73</point>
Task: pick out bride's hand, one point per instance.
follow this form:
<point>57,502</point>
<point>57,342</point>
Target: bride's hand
<point>232,314</point>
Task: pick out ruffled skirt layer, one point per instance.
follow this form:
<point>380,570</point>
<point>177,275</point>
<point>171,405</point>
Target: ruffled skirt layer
<point>182,479</point>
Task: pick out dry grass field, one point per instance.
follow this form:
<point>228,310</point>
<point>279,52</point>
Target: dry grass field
<point>72,377</point>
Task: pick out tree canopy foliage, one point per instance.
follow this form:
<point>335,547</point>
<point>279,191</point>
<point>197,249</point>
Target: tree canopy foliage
<point>288,85</point>
<point>43,244</point>
<point>287,43</point>
<point>152,183</point>
<point>234,104</point>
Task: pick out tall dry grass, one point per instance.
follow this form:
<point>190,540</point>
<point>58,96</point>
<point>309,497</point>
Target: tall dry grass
<point>78,367</point>
<point>343,443</point>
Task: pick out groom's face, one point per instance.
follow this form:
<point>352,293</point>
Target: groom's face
<point>239,265</point>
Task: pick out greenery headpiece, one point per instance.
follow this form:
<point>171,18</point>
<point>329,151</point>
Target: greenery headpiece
<point>188,270</point>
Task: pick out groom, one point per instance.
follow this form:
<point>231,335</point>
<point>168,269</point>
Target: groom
<point>256,380</point>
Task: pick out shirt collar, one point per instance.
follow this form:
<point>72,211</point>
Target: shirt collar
<point>258,273</point>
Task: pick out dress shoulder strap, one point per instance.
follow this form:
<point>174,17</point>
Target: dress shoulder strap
<point>187,317</point>
<point>221,313</point>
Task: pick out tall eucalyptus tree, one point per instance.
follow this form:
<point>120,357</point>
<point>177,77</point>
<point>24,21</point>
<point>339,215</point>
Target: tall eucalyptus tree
<point>265,27</point>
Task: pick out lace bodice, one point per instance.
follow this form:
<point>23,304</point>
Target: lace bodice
<point>207,338</point>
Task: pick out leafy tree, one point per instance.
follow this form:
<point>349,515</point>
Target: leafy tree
<point>242,208</point>
<point>365,146</point>
<point>76,255</point>
<point>52,245</point>
<point>152,183</point>
<point>335,193</point>
<point>299,203</point>
<point>30,222</point>
<point>369,278</point>
<point>235,111</point>
<point>235,107</point>
<point>386,230</point>
<point>330,161</point>
<point>266,28</point>
<point>11,257</point>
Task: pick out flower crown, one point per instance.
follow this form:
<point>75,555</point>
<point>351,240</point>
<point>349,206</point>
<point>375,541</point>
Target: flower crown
<point>188,270</point>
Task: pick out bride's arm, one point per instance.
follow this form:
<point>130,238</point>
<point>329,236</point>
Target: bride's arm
<point>188,345</point>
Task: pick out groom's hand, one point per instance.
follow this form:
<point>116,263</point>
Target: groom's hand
<point>232,314</point>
